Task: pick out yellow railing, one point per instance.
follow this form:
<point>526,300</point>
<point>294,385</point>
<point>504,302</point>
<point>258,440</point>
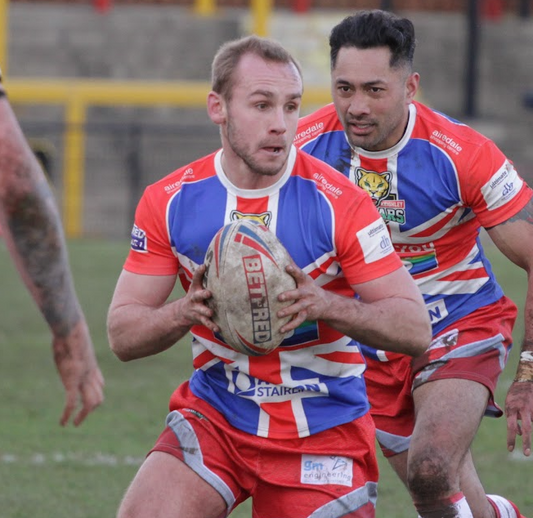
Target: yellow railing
<point>78,95</point>
<point>260,10</point>
<point>4,16</point>
<point>205,7</point>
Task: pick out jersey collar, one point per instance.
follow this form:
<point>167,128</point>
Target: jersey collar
<point>255,193</point>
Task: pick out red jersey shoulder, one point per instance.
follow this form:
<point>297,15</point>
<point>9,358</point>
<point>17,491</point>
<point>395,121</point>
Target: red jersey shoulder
<point>198,170</point>
<point>321,121</point>
<point>328,180</point>
<point>454,137</point>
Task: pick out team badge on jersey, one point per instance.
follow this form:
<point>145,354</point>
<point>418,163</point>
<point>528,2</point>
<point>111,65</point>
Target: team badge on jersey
<point>263,219</point>
<point>378,186</point>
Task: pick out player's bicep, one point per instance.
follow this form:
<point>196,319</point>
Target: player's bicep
<point>514,237</point>
<point>398,284</point>
<point>146,290</point>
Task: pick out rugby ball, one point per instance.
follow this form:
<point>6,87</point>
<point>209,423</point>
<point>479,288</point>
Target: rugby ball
<point>245,272</point>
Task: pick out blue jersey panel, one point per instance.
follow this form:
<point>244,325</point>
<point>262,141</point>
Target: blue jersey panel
<point>187,208</point>
<point>304,227</point>
<point>332,148</point>
<point>419,185</point>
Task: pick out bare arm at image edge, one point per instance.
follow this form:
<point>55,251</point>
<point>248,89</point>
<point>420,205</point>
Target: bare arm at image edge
<point>514,238</point>
<point>32,230</point>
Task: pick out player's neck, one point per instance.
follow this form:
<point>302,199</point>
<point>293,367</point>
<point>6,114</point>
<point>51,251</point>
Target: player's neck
<point>243,177</point>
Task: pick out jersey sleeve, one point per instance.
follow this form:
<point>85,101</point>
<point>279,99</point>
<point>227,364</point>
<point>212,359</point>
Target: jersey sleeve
<point>315,124</point>
<point>365,247</point>
<point>150,250</point>
<point>492,187</point>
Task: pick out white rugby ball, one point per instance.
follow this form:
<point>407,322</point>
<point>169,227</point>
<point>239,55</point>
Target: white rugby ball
<point>245,272</point>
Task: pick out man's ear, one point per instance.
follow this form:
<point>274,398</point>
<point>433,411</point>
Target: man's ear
<point>413,81</point>
<point>216,108</point>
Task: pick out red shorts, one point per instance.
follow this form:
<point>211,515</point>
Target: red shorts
<point>333,473</point>
<point>475,348</point>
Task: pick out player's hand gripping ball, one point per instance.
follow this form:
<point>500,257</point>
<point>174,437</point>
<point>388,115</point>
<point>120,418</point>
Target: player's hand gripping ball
<point>245,272</point>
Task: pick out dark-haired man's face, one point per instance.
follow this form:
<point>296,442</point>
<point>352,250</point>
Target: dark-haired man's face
<point>371,98</point>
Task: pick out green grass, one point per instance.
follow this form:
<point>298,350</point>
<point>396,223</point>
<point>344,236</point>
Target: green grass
<point>51,472</point>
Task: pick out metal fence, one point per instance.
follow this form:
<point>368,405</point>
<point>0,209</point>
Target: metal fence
<point>121,159</point>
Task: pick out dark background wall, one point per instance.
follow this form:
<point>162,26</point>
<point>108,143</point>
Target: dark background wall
<point>128,147</point>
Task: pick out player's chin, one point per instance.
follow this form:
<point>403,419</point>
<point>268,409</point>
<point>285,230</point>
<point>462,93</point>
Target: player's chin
<point>362,138</point>
<point>359,141</point>
<point>272,165</point>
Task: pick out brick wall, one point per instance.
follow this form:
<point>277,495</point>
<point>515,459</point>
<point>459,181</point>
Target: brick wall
<point>415,5</point>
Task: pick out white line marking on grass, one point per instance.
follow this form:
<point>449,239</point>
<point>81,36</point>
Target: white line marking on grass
<point>85,459</point>
<point>518,456</point>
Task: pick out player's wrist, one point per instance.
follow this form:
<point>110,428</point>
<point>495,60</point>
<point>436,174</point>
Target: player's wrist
<point>524,372</point>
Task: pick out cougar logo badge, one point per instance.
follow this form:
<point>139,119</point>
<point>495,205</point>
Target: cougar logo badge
<point>378,186</point>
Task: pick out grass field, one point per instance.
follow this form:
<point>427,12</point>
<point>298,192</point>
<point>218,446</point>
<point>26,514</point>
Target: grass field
<point>51,472</point>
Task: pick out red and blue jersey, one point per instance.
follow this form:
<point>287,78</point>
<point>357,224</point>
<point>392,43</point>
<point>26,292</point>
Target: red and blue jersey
<point>435,189</point>
<point>331,229</point>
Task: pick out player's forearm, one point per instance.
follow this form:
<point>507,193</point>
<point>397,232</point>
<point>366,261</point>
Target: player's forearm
<point>136,331</point>
<point>524,370</point>
<point>43,265</point>
<point>514,238</point>
<point>394,324</point>
<point>32,228</point>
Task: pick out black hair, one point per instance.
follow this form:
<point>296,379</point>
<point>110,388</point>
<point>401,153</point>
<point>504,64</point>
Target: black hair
<point>375,28</point>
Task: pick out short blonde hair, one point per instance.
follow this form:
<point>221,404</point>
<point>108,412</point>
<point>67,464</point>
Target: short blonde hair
<point>230,53</point>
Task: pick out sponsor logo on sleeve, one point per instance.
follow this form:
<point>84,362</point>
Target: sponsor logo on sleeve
<point>308,133</point>
<point>446,141</point>
<point>375,241</point>
<point>327,186</point>
<point>321,469</point>
<point>174,186</point>
<point>138,240</point>
<point>503,186</point>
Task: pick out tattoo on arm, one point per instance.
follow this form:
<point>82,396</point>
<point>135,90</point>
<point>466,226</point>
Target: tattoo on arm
<point>526,214</point>
<point>35,228</point>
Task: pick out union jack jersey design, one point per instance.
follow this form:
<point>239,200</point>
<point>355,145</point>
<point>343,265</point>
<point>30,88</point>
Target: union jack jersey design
<point>435,189</point>
<point>313,381</point>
